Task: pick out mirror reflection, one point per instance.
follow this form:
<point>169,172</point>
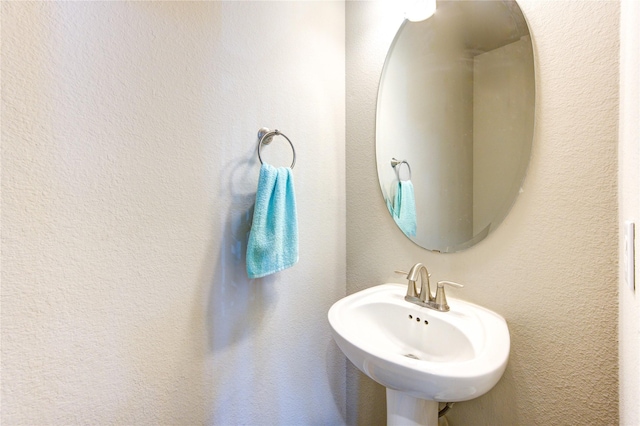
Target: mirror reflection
<point>454,122</point>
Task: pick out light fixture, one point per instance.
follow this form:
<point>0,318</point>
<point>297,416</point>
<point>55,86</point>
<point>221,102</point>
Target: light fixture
<point>419,10</point>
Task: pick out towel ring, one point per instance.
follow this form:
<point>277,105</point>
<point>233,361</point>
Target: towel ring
<point>266,136</point>
<point>397,163</point>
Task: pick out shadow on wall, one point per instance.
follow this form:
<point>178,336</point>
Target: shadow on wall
<point>335,357</point>
<point>366,399</point>
<point>236,303</point>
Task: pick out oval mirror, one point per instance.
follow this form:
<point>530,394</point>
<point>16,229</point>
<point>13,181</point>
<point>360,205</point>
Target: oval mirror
<point>454,122</point>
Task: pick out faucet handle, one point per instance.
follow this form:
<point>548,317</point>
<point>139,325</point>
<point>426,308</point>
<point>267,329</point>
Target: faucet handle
<point>441,299</point>
<point>451,283</point>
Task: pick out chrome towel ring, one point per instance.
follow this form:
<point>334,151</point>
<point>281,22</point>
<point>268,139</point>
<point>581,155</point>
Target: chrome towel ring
<point>266,136</point>
<point>396,166</point>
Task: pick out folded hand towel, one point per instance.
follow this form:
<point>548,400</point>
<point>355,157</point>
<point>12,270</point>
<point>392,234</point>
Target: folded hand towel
<point>273,239</point>
<point>404,208</point>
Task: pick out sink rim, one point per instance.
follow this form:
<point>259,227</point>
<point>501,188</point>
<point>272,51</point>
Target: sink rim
<point>491,350</point>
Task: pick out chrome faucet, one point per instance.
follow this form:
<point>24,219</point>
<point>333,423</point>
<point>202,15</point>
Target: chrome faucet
<point>424,296</point>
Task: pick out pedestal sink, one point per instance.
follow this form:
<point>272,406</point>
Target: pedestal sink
<point>420,355</point>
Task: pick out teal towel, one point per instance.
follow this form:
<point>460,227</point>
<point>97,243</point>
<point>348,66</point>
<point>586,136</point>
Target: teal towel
<point>404,208</point>
<point>273,239</point>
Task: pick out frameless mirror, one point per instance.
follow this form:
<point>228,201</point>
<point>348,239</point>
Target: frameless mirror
<point>454,123</point>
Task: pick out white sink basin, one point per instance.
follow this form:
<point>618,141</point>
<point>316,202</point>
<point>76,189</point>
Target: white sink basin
<point>439,356</point>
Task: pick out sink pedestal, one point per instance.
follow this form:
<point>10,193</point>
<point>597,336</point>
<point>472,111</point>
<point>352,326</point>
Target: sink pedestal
<point>405,410</point>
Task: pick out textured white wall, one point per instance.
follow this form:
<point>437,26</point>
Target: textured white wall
<point>629,192</point>
<point>129,172</point>
<point>551,268</point>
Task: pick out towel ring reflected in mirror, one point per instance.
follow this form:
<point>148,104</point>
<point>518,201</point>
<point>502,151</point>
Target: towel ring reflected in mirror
<point>266,136</point>
<point>396,164</point>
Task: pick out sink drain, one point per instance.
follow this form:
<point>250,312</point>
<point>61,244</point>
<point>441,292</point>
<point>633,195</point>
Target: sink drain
<point>412,356</point>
